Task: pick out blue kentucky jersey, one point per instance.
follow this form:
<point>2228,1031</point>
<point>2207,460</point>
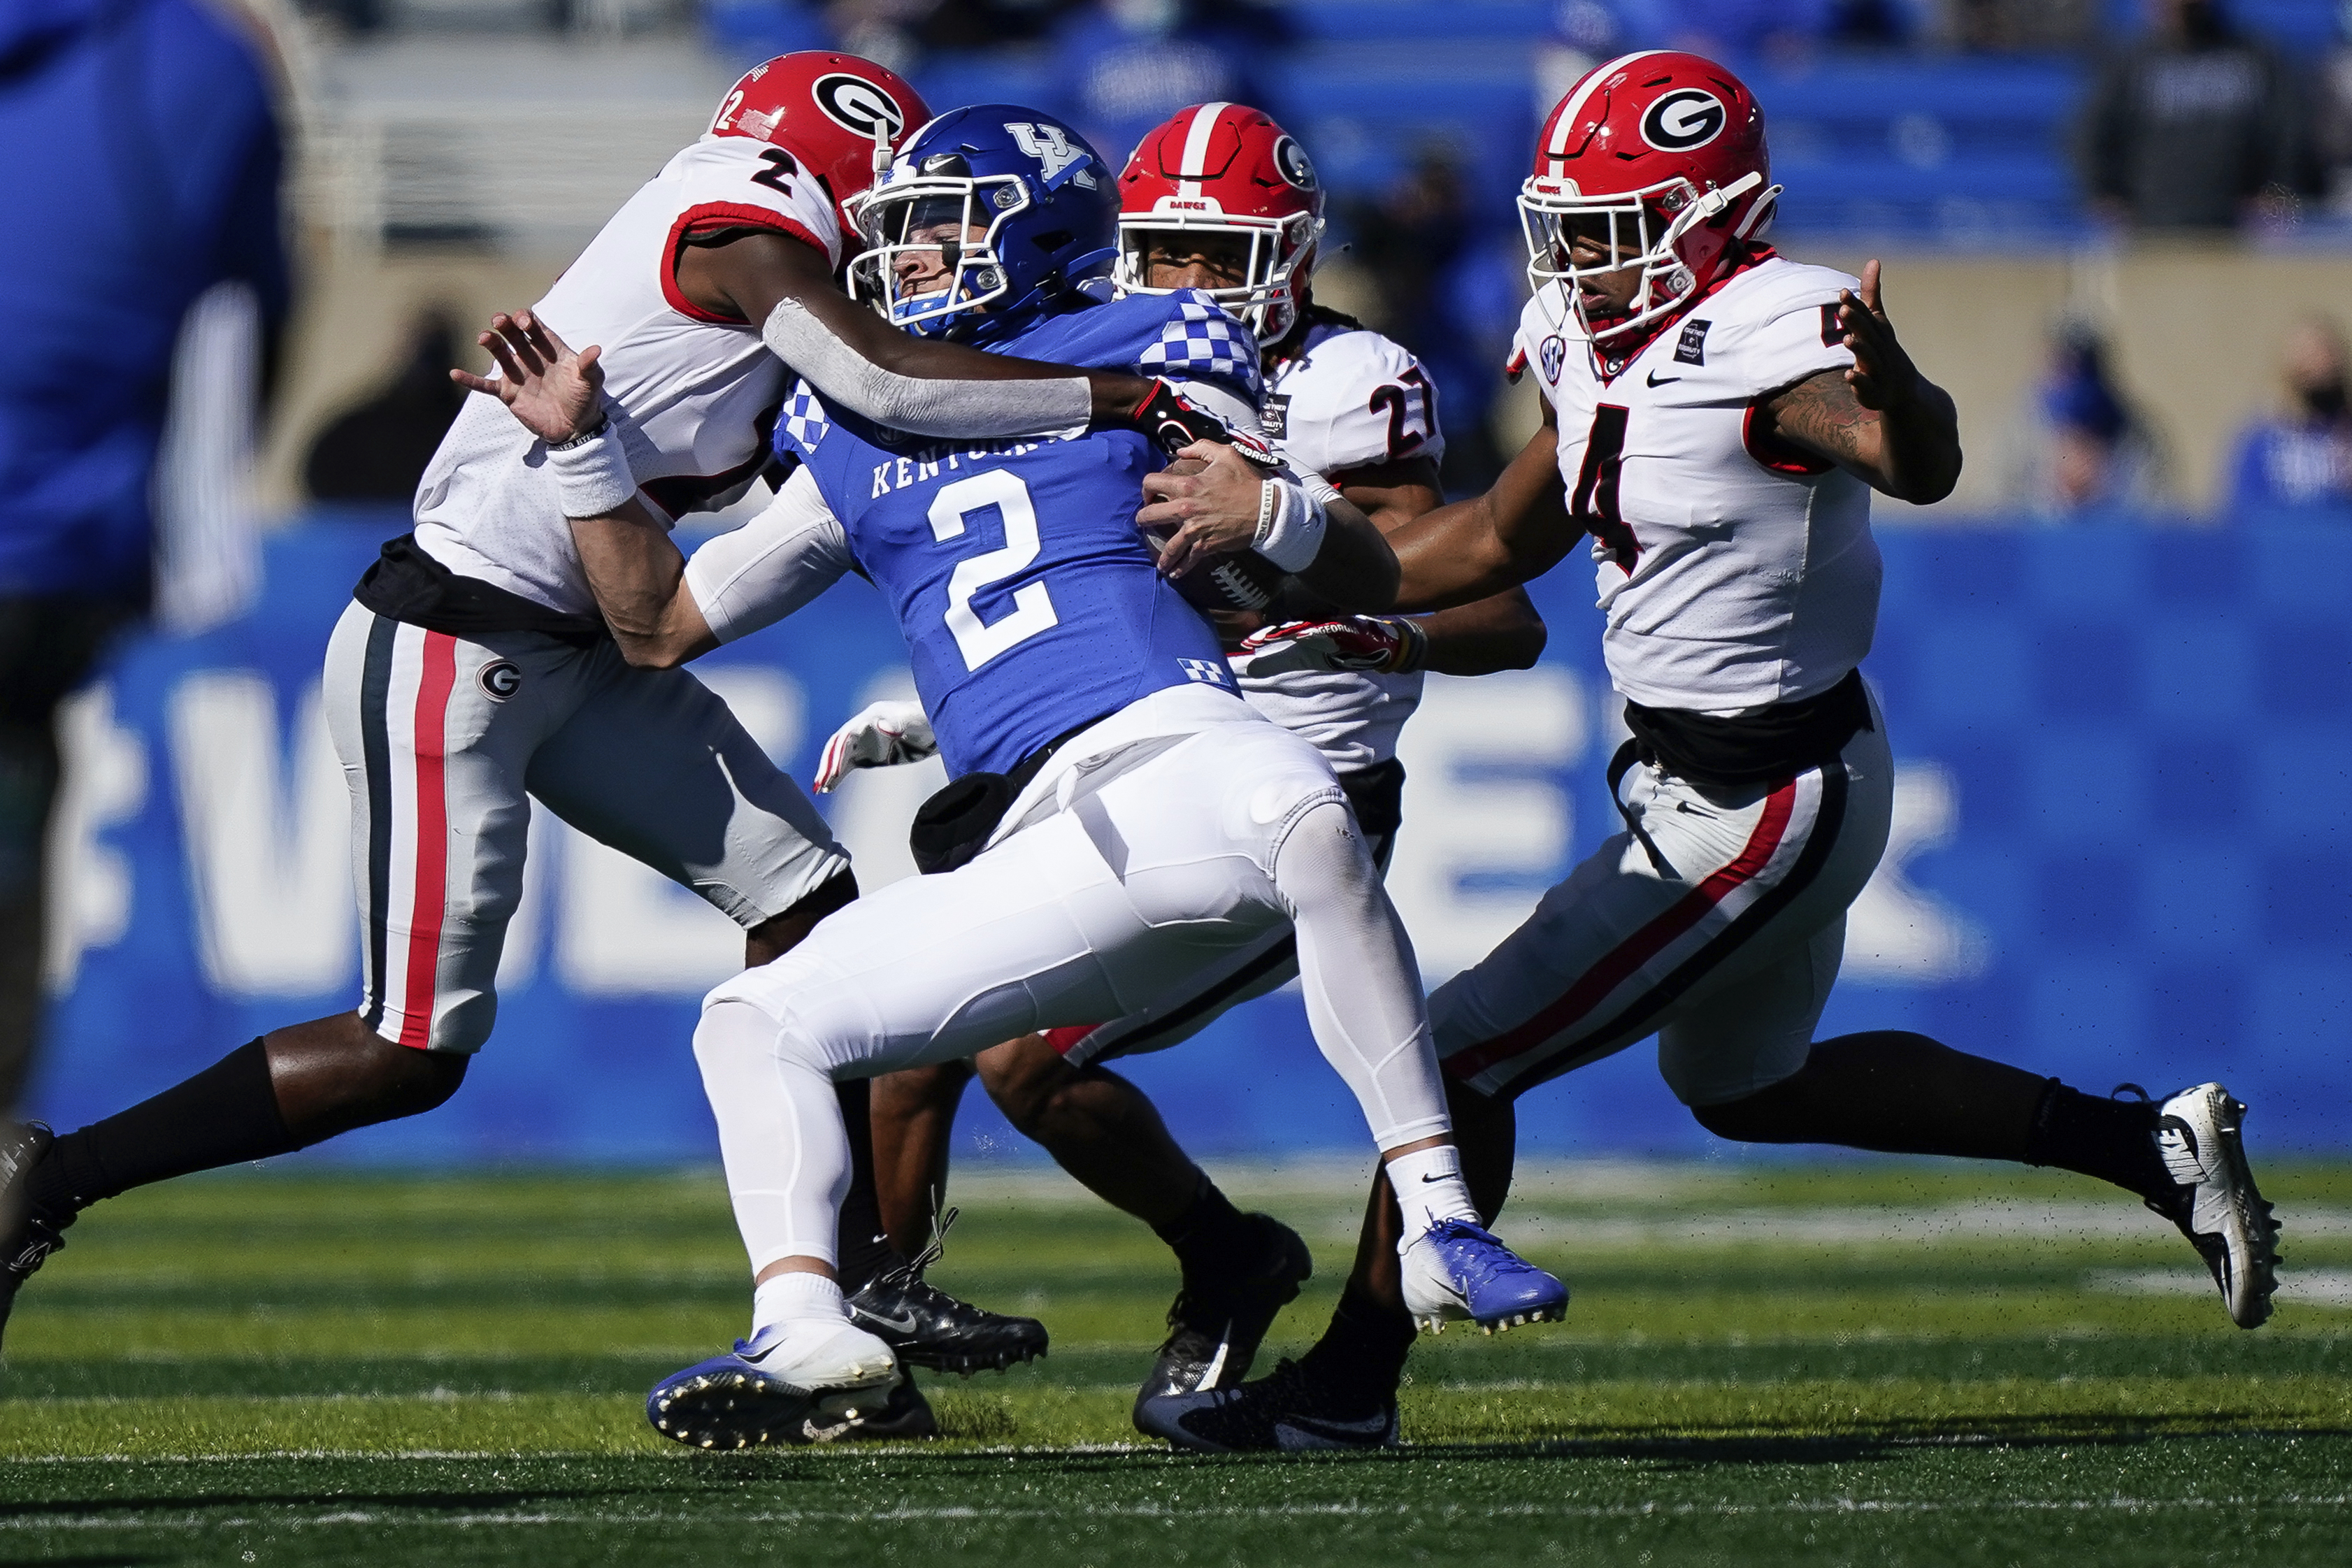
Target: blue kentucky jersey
<point>1025,592</point>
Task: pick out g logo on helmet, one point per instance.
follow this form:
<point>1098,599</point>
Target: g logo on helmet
<point>1291,162</point>
<point>1686,118</point>
<point>500,680</point>
<point>857,105</point>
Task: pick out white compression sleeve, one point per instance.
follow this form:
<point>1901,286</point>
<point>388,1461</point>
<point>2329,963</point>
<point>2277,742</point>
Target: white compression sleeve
<point>972,410</point>
<point>756,575</point>
<point>1361,985</point>
<point>780,1133</point>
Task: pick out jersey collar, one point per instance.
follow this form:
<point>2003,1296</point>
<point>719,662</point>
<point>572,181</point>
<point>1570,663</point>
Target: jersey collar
<point>1610,367</point>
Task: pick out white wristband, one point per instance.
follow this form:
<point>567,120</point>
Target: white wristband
<point>592,476</point>
<point>1290,524</point>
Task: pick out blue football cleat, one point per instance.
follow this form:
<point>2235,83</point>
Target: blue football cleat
<point>787,1383</point>
<point>1457,1270</point>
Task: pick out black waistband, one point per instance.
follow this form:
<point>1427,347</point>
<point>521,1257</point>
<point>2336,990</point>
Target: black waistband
<point>406,584</point>
<point>1376,795</point>
<point>1755,748</point>
<point>951,827</point>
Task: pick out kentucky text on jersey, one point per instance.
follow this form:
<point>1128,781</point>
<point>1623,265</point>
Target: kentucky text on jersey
<point>903,472</point>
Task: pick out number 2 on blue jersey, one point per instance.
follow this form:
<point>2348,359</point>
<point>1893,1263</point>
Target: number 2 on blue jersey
<point>1032,607</point>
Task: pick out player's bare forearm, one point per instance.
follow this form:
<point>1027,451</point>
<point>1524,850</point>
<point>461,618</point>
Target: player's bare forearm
<point>1355,570</point>
<point>750,276</point>
<point>1880,420</point>
<point>1477,549</point>
<point>1392,493</point>
<point>1504,632</point>
<point>1910,451</point>
<point>639,576</point>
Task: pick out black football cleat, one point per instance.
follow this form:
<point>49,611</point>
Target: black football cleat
<point>928,1328</point>
<point>905,1416</point>
<point>1217,1325</point>
<point>27,1234</point>
<point>1291,1410</point>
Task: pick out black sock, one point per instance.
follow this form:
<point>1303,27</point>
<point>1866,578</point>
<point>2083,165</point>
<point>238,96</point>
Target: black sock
<point>1211,1236</point>
<point>2114,1140</point>
<point>1364,1349</point>
<point>864,1247</point>
<point>225,1116</point>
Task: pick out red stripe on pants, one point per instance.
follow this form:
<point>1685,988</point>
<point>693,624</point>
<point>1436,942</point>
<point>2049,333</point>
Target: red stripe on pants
<point>433,687</point>
<point>1639,949</point>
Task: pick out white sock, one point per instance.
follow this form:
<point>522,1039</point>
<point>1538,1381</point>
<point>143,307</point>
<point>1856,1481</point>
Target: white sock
<point>1429,1189</point>
<point>796,1297</point>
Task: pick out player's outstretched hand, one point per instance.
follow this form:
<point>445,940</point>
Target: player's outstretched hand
<point>1387,644</point>
<point>885,735</point>
<point>1207,503</point>
<point>1883,375</point>
<point>553,391</point>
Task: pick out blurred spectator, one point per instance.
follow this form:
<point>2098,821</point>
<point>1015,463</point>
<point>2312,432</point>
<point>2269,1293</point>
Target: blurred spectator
<point>2332,133</point>
<point>2003,26</point>
<point>1128,65</point>
<point>1448,289</point>
<point>139,153</point>
<point>2082,447</point>
<point>2302,457</point>
<point>378,451</point>
<point>2195,126</point>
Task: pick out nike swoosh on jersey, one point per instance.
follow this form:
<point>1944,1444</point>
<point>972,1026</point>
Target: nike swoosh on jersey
<point>1658,381</point>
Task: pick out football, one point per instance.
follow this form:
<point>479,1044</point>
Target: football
<point>1243,581</point>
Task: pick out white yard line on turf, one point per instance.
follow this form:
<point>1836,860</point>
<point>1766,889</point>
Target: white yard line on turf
<point>2301,1287</point>
<point>1826,1506</point>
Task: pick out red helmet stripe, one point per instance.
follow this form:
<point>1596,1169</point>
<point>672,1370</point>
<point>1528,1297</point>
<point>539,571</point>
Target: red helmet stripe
<point>1194,165</point>
<point>1563,123</point>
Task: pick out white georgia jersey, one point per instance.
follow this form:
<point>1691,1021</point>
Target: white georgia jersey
<point>695,393</point>
<point>1347,399</point>
<point>1735,571</point>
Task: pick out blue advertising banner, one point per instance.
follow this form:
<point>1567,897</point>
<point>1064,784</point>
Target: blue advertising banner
<point>2122,849</point>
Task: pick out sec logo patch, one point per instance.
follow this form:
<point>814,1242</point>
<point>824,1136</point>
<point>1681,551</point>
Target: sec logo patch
<point>500,680</point>
<point>1553,354</point>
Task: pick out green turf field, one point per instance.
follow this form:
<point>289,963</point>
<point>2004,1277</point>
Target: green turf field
<point>1764,1364</point>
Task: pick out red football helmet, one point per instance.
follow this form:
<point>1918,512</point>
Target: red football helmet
<point>839,115</point>
<point>1224,168</point>
<point>1660,157</point>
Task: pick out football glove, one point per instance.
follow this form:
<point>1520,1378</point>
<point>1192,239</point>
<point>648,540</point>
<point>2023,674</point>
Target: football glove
<point>1385,645</point>
<point>884,736</point>
<point>1174,421</point>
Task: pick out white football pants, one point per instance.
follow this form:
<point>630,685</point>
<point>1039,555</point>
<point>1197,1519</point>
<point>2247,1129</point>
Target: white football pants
<point>1170,837</point>
<point>1724,943</point>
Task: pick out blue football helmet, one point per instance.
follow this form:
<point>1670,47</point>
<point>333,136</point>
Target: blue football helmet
<point>985,217</point>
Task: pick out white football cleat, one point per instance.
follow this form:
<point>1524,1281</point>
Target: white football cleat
<point>806,1382</point>
<point>2215,1203</point>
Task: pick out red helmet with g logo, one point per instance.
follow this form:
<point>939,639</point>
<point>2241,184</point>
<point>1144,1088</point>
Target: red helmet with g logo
<point>1658,157</point>
<point>1227,169</point>
<point>838,114</point>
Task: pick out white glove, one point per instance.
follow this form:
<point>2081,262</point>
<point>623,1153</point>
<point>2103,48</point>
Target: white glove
<point>884,736</point>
